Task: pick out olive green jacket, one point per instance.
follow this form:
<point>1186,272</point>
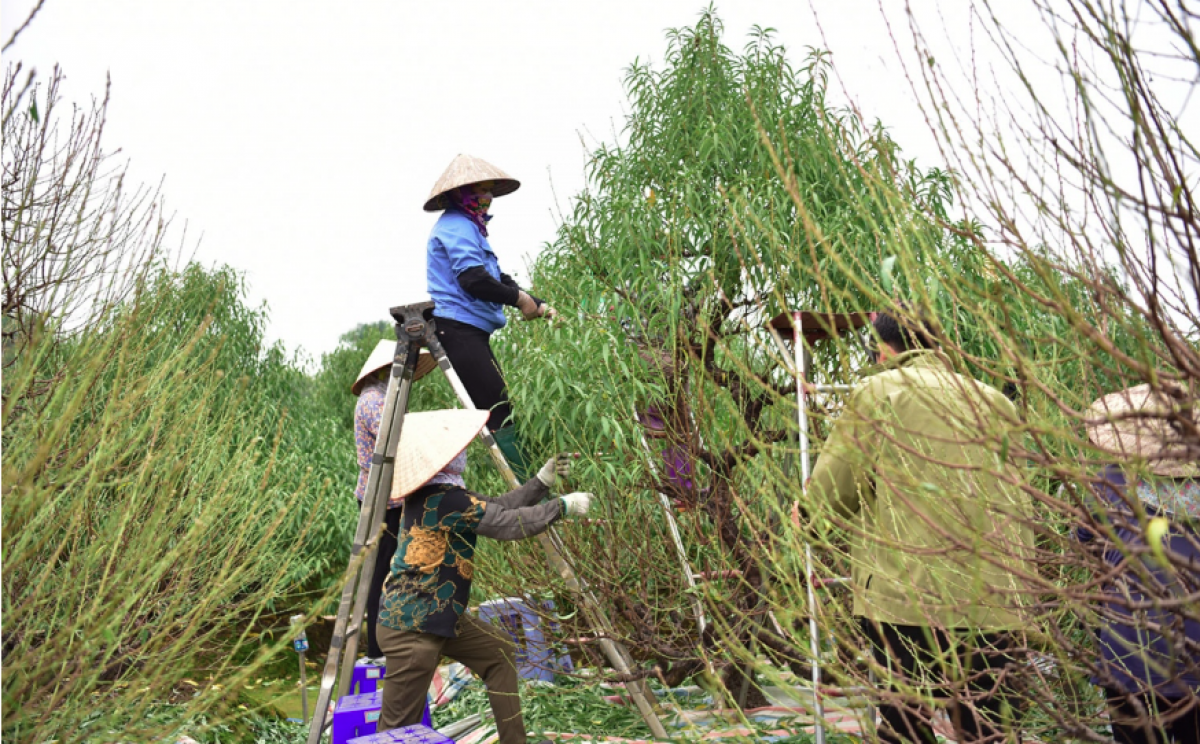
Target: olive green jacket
<point>915,470</point>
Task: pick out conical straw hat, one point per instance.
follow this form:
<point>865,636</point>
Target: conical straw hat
<point>383,356</point>
<point>429,441</point>
<point>464,170</point>
<point>1111,427</point>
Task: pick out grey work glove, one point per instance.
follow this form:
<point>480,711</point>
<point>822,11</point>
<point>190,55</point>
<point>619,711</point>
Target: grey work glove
<point>529,307</point>
<point>558,466</point>
<point>576,504</point>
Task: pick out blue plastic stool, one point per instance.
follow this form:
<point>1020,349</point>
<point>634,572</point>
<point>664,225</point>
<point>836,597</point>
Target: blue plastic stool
<point>356,716</point>
<point>535,658</point>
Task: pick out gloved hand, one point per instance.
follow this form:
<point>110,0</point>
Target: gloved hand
<point>577,504</point>
<point>529,307</point>
<point>559,465</point>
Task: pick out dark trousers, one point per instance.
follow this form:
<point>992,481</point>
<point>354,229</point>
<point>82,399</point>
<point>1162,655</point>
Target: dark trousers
<point>412,660</point>
<point>951,667</point>
<point>471,355</point>
<point>1138,719</point>
<point>383,566</point>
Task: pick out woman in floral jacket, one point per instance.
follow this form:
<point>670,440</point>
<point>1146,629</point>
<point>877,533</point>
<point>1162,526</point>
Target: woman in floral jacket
<point>423,616</point>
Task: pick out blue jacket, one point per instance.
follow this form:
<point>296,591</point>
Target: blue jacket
<point>455,245</point>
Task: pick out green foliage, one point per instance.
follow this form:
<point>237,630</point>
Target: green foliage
<point>221,726</point>
<point>738,192</point>
<point>157,498</point>
<point>568,706</point>
<point>170,481</point>
<point>340,367</point>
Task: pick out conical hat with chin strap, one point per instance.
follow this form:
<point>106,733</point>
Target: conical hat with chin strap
<point>1132,423</point>
<point>463,170</point>
<point>382,358</point>
<point>429,440</point>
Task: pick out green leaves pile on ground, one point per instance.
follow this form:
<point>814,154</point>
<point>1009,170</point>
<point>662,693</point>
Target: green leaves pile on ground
<point>572,705</point>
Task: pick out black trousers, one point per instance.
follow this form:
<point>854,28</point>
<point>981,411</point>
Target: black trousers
<point>383,566</point>
<point>916,654</point>
<point>470,352</point>
<point>1130,713</point>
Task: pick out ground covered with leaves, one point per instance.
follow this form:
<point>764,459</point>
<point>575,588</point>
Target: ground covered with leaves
<point>569,706</point>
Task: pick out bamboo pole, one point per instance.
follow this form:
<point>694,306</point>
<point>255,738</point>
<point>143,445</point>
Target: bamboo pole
<point>813,631</point>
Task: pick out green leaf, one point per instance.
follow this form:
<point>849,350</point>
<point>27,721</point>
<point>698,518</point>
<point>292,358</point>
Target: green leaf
<point>933,286</point>
<point>885,273</point>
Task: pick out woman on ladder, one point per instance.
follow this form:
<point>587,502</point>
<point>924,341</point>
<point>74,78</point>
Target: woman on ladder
<point>470,291</point>
<point>371,389</point>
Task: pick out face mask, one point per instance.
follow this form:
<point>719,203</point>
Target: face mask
<point>484,200</point>
<point>474,203</point>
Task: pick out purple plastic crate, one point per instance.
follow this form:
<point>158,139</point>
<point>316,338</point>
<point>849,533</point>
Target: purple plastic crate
<point>418,734</point>
<point>365,677</point>
<point>378,738</point>
<point>356,716</point>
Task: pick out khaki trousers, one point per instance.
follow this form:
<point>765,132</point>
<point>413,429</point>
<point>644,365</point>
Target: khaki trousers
<point>412,660</point>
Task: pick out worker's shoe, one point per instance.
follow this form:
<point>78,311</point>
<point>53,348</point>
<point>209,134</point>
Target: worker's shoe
<point>506,440</point>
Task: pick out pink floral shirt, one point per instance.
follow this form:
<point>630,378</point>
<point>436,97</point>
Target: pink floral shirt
<point>367,414</point>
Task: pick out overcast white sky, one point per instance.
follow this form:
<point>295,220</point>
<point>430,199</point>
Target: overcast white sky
<point>301,138</point>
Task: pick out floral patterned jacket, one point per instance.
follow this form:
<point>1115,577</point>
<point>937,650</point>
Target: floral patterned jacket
<point>430,581</point>
<point>367,413</point>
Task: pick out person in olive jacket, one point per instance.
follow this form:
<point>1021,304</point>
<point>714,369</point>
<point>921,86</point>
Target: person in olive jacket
<point>424,616</point>
<point>914,470</point>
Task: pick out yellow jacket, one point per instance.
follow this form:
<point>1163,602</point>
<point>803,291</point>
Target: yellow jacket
<point>916,469</point>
